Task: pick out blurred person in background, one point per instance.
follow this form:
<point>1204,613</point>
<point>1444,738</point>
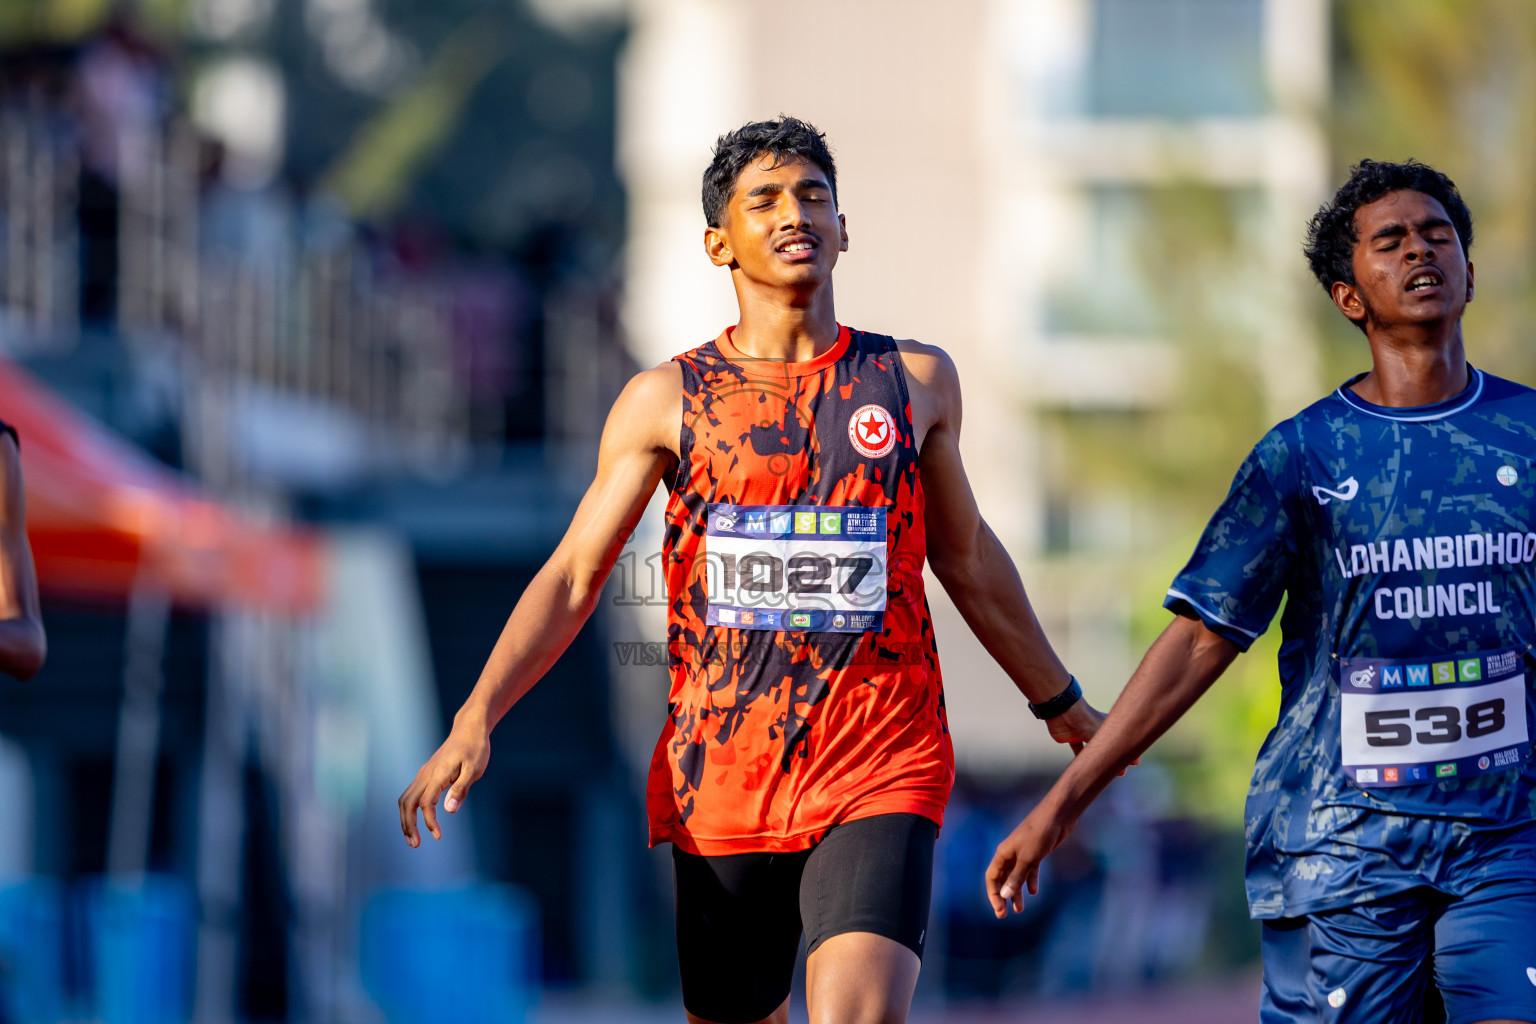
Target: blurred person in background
<point>1392,814</point>
<point>120,91</point>
<point>804,768</point>
<point>23,645</point>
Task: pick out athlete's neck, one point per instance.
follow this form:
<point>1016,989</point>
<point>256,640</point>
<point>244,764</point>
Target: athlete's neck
<point>779,328</point>
<point>1410,371</point>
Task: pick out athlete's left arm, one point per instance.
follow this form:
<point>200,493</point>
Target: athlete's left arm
<point>966,555</point>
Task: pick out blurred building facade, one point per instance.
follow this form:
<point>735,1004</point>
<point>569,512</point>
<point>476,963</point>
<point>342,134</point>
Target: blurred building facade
<point>1001,166</point>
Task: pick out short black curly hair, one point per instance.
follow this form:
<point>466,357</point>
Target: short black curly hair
<point>787,138</point>
<point>1331,236</point>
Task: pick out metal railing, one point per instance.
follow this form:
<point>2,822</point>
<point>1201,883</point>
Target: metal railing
<point>39,233</point>
<point>312,320</point>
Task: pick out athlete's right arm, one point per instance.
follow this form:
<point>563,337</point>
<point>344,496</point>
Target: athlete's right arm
<point>1243,565</point>
<point>23,645</point>
<point>1180,666</point>
<point>639,445</point>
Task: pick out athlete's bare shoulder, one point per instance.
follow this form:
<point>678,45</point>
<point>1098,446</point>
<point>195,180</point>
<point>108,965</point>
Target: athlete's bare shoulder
<point>924,359</point>
<point>649,411</point>
<point>935,385</point>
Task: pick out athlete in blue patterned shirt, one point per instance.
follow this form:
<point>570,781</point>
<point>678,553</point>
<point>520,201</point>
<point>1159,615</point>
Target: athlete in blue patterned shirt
<point>1391,822</point>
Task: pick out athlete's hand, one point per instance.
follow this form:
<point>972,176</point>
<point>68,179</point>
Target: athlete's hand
<point>457,765</point>
<point>1016,863</point>
<point>1076,726</point>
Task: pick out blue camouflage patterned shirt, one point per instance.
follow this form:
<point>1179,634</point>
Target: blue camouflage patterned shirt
<point>1404,540</point>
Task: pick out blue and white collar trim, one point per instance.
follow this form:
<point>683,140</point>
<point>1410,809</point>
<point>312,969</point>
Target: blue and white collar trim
<point>1418,413</point>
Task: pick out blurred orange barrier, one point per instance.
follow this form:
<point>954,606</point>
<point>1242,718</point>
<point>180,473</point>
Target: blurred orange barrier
<point>101,514</point>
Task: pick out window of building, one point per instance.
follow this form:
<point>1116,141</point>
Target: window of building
<point>1177,58</point>
<point>1136,249</point>
<point>1104,291</point>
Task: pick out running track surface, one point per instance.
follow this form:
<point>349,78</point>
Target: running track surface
<point>1223,1002</point>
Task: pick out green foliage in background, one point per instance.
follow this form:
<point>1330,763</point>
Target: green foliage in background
<point>32,22</point>
<point>1453,83</point>
<point>373,174</point>
<point>1202,248</point>
<point>1183,454</point>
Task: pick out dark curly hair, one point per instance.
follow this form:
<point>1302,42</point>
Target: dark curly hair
<point>1331,237</point>
<point>788,138</point>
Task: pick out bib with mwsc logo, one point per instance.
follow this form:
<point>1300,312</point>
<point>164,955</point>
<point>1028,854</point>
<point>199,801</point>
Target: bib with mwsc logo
<point>1413,721</point>
<point>796,567</point>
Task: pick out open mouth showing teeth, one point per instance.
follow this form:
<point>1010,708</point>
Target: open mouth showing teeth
<point>798,247</point>
<point>1427,281</point>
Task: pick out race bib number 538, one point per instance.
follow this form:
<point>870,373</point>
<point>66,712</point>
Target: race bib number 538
<point>1405,722</point>
<point>796,567</point>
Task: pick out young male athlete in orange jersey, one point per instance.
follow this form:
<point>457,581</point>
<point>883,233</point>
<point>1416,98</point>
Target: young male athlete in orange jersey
<point>802,773</point>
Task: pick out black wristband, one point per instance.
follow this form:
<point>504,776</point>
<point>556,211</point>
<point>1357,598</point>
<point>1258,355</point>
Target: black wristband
<point>1059,703</point>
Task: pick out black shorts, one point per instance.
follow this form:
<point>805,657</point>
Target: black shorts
<point>739,917</point>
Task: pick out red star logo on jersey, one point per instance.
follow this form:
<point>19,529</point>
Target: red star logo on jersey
<point>872,431</point>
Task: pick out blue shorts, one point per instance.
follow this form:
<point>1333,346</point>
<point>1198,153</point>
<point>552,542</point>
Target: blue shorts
<point>1419,957</point>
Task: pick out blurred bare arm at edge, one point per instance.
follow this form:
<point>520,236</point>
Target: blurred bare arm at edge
<point>968,559</point>
<point>1178,668</point>
<point>23,644</point>
<point>639,445</point>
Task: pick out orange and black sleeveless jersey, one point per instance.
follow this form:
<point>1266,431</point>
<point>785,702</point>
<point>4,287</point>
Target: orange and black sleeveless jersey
<point>805,684</point>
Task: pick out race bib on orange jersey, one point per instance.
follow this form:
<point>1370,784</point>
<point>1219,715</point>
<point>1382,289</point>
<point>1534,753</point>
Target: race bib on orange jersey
<point>1414,721</point>
<point>813,568</point>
